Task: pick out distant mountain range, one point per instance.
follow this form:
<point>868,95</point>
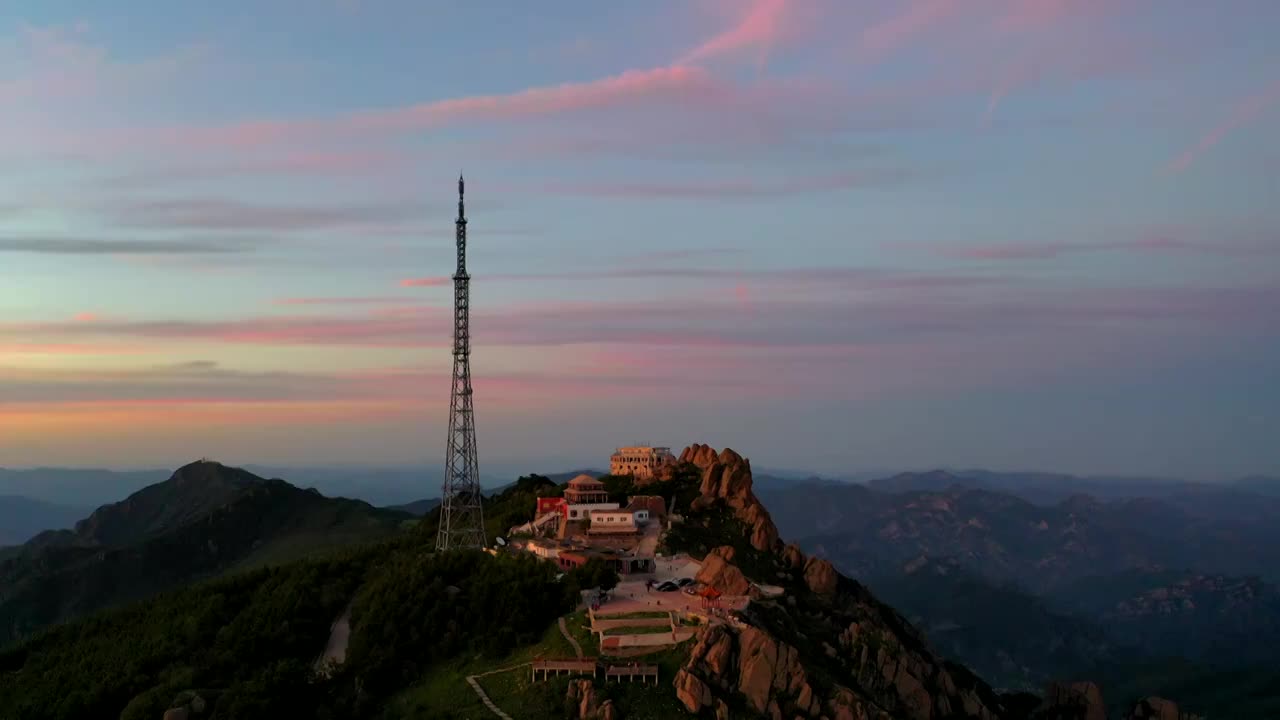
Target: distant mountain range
<point>869,531</point>
<point>383,486</point>
<point>204,520</point>
<point>77,487</point>
<point>1009,636</point>
<point>1042,488</point>
<point>1017,591</point>
<point>23,517</point>
<point>1025,579</point>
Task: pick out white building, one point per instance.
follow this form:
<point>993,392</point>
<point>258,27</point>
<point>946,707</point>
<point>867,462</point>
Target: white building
<point>612,521</point>
<point>584,510</point>
<point>639,461</point>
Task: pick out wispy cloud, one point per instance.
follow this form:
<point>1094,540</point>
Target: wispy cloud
<point>1156,243</point>
<point>339,301</point>
<point>932,312</point>
<point>425,282</point>
<point>311,164</point>
<point>895,31</point>
<point>850,277</point>
<point>730,189</point>
<point>220,214</point>
<point>89,246</point>
<point>675,84</point>
<point>756,30</point>
<point>1245,112</point>
<point>56,63</point>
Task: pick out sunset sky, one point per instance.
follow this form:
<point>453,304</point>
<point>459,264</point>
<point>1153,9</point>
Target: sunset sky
<point>835,235</point>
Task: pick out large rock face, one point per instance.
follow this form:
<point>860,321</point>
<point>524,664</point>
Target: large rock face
<point>719,572</point>
<point>727,477</point>
<point>1154,708</point>
<point>1072,701</point>
<point>584,702</point>
<point>827,648</point>
<point>820,576</point>
<point>770,676</point>
<point>768,673</point>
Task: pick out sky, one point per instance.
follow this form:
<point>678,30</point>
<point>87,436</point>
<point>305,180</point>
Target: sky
<point>835,235</point>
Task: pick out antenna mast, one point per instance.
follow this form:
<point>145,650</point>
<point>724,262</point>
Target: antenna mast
<point>461,515</point>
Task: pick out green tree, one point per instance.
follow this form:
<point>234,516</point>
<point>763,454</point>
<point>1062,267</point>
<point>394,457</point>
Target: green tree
<point>595,573</point>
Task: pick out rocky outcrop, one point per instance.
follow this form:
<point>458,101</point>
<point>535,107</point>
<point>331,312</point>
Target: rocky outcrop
<point>828,648</point>
<point>770,678</point>
<point>692,691</point>
<point>1155,708</point>
<point>1071,701</point>
<point>820,575</point>
<point>727,477</point>
<point>719,572</point>
<point>793,556</point>
<point>584,702</point>
<point>188,705</point>
<point>767,673</point>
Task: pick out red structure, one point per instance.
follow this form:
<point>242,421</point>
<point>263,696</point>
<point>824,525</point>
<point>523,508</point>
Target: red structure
<point>710,597</point>
<point>551,504</point>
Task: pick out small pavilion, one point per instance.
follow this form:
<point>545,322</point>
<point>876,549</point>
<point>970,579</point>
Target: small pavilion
<point>585,490</point>
<point>710,597</point>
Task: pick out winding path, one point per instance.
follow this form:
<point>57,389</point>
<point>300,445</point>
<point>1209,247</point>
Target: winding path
<point>471,680</point>
<point>564,630</point>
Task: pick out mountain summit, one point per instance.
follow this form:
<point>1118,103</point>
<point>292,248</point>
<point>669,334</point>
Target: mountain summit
<point>416,632</point>
<point>204,520</point>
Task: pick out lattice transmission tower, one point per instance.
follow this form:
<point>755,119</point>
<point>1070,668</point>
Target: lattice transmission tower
<point>461,515</point>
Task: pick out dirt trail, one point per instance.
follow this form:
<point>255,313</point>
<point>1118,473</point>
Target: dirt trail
<point>339,634</point>
<point>564,630</point>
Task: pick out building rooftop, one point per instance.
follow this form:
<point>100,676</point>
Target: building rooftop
<point>585,481</point>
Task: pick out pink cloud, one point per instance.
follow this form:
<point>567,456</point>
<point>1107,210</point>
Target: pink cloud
<point>734,188</point>
<point>224,214</point>
<point>61,63</point>
<point>1063,57</point>
<point>665,84</point>
<point>1154,243</point>
<point>72,349</point>
<point>309,163</point>
<point>1024,15</point>
<point>339,300</point>
<point>86,317</point>
<point>782,315</point>
<point>676,83</point>
<point>757,30</point>
<point>895,31</point>
<point>1244,113</point>
<point>425,282</point>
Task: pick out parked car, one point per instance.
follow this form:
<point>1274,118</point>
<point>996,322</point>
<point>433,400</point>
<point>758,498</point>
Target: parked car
<point>668,586</point>
<point>683,582</point>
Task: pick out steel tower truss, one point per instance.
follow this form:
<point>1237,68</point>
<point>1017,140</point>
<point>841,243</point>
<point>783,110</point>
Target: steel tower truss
<point>461,515</point>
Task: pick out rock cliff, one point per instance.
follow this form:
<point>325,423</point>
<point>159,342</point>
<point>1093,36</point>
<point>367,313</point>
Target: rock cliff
<point>1154,708</point>
<point>719,572</point>
<point>826,648</point>
<point>727,477</point>
<point>584,701</point>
